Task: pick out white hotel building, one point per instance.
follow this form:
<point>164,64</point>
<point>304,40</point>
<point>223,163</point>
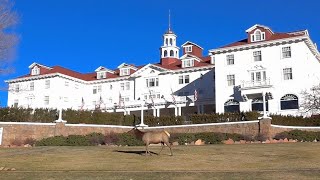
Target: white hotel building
<point>232,78</point>
<point>167,87</point>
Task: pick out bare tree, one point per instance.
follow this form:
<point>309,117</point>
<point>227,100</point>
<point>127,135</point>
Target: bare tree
<point>311,100</point>
<point>8,39</point>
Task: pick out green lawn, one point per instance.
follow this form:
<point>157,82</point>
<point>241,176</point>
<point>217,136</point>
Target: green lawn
<point>249,161</point>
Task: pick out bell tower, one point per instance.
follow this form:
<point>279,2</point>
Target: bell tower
<point>169,50</point>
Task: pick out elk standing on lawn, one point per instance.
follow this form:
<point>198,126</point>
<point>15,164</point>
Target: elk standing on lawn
<point>153,137</point>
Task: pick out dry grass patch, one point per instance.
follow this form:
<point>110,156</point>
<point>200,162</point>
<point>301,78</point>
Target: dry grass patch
<point>263,161</point>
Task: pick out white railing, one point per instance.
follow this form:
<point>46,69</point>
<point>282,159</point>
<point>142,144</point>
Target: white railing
<point>256,84</point>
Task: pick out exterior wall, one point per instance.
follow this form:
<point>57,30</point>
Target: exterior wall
<point>21,131</point>
<point>273,63</point>
<point>68,93</point>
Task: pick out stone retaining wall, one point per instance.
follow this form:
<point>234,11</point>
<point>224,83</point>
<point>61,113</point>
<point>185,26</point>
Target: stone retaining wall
<point>16,131</point>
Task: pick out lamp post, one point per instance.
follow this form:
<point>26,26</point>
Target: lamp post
<point>142,125</point>
<point>60,113</point>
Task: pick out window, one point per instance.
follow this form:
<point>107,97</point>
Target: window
<point>170,41</point>
<point>289,101</point>
<point>231,80</point>
<point>99,88</point>
<point>35,71</point>
<point>180,79</point>
<point>286,52</point>
<point>188,63</point>
<point>171,53</point>
<point>230,59</point>
<point>17,88</point>
<point>258,36</point>
<point>47,84</point>
<point>188,49</point>
<point>258,76</point>
<point>287,73</point>
<point>257,104</point>
<point>122,86</point>
<point>16,103</point>
<point>31,86</point>
<point>165,53</point>
<point>94,90</point>
<point>257,56</point>
<point>184,79</point>
<point>110,86</point>
<point>127,85</point>
<point>231,106</point>
<point>66,83</point>
<point>46,100</point>
<point>101,75</point>
<point>124,71</point>
<point>152,82</point>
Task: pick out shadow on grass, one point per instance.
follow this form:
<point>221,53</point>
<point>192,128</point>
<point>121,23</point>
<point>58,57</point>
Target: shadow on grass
<point>135,152</point>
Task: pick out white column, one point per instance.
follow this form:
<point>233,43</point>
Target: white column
<point>154,112</point>
<point>265,116</point>
<point>158,112</point>
<point>179,111</point>
<point>175,111</point>
<point>142,116</point>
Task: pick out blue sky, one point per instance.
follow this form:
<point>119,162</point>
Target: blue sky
<point>84,34</point>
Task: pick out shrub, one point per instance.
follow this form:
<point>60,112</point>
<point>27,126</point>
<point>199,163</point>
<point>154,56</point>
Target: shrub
<point>77,140</point>
<point>95,138</point>
<point>53,141</point>
<point>129,140</point>
<point>111,138</point>
<point>211,138</point>
<point>298,135</point>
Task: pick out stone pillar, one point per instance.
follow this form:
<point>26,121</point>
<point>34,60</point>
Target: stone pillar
<point>265,128</point>
<point>60,129</point>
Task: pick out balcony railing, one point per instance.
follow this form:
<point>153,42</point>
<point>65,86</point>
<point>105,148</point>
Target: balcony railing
<point>256,84</point>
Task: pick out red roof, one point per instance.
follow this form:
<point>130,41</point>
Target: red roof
<point>274,36</point>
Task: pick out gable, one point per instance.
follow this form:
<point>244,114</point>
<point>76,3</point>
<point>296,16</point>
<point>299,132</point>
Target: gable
<point>149,69</point>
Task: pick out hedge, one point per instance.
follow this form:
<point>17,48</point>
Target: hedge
<point>295,120</point>
<point>98,117</point>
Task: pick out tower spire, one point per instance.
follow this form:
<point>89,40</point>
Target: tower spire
<point>169,21</point>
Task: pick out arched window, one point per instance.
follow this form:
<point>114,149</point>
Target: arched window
<point>171,41</point>
<point>257,104</point>
<point>167,41</point>
<point>231,106</point>
<point>258,35</point>
<point>176,53</point>
<point>171,53</point>
<point>289,101</point>
<point>165,53</point>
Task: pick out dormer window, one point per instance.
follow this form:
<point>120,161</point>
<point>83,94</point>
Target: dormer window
<point>188,49</point>
<point>101,75</point>
<point>188,63</point>
<point>124,72</point>
<point>258,36</point>
<point>35,71</point>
